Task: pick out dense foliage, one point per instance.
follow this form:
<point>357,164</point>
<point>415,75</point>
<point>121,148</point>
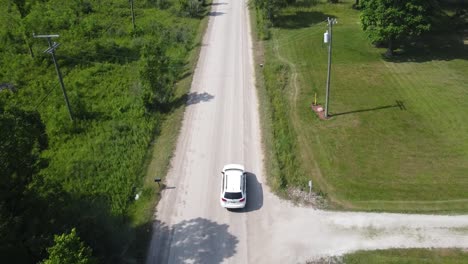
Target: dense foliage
<point>387,21</point>
<point>266,13</point>
<point>57,174</point>
<point>21,140</point>
<point>68,248</point>
<point>157,76</point>
<point>269,11</point>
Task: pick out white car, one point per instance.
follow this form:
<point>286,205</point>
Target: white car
<point>233,186</point>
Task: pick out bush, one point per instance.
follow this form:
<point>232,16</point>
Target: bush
<point>96,161</point>
<point>68,248</point>
<point>190,8</point>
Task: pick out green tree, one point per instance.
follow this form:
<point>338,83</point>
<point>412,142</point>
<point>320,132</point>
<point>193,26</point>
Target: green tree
<point>68,248</point>
<point>270,8</point>
<point>190,8</point>
<point>157,76</point>
<point>15,27</point>
<point>21,141</point>
<point>388,21</point>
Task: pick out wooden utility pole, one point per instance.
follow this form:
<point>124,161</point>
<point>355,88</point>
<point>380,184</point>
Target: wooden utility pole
<point>133,14</point>
<point>51,51</point>
<point>328,39</point>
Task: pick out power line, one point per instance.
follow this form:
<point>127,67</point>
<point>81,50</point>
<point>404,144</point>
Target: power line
<point>45,97</point>
<point>99,62</point>
<point>293,39</point>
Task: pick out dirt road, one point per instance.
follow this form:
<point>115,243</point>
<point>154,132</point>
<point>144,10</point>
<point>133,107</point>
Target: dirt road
<point>221,125</point>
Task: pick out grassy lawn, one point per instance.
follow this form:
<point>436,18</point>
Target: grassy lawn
<point>408,256</point>
<point>397,139</point>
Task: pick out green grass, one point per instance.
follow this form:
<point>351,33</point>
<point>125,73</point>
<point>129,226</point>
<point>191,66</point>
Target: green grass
<point>265,106</point>
<point>116,146</point>
<point>397,139</point>
<point>158,158</point>
<point>408,256</point>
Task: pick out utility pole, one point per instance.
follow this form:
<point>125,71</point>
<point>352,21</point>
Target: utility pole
<point>133,14</point>
<point>51,51</point>
<point>328,39</point>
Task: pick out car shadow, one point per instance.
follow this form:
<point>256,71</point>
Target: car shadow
<point>254,195</point>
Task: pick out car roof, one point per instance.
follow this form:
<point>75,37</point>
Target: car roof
<point>233,180</point>
<point>233,166</point>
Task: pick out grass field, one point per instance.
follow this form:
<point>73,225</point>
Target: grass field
<point>160,153</point>
<point>398,136</point>
<point>98,163</point>
<point>409,256</point>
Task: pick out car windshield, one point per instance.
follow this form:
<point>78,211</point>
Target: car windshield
<point>232,195</point>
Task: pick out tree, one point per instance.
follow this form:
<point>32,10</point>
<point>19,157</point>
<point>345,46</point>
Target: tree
<point>13,17</point>
<point>271,8</point>
<point>388,21</point>
<point>68,248</point>
<point>157,76</point>
<point>190,8</point>
<point>21,141</point>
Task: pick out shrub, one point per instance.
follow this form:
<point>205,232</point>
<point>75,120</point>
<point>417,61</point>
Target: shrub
<point>190,8</point>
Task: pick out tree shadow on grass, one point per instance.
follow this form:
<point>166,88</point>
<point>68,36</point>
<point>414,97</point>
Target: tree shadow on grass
<point>304,3</point>
<point>300,19</point>
<point>196,240</point>
<point>55,211</point>
<point>107,234</point>
<point>99,53</point>
<point>254,195</point>
<point>398,104</point>
<point>447,40</point>
<point>443,47</point>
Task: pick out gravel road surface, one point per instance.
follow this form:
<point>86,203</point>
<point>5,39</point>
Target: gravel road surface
<point>221,126</point>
